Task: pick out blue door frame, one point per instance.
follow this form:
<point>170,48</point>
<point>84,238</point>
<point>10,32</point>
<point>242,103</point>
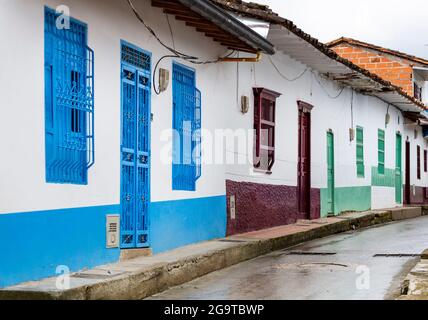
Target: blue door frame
<point>135,146</point>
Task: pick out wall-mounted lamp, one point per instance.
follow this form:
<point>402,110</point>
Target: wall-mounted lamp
<point>163,79</point>
<point>351,134</point>
<point>387,116</point>
<point>387,119</point>
<point>245,104</point>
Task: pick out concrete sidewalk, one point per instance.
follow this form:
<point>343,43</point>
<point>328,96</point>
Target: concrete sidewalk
<point>415,286</point>
<point>145,276</point>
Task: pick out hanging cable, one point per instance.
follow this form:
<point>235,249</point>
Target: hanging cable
<point>352,109</point>
<point>177,54</point>
<point>156,90</point>
<point>285,77</point>
<point>170,30</point>
<point>140,18</point>
<point>237,83</point>
<point>325,90</point>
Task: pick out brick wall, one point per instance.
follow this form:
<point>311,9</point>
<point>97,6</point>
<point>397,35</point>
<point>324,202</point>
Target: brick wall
<point>397,71</point>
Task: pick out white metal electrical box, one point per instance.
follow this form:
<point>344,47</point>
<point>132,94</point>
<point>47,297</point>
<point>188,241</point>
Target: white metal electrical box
<point>113,231</point>
<point>232,207</point>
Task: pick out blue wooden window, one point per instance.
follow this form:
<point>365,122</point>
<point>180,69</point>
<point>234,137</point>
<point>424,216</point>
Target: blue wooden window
<point>186,168</point>
<point>69,102</point>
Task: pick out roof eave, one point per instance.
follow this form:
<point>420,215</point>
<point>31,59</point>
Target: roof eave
<point>383,87</point>
<point>230,24</point>
<point>339,69</point>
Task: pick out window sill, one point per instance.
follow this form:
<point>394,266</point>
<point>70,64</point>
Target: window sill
<point>262,171</point>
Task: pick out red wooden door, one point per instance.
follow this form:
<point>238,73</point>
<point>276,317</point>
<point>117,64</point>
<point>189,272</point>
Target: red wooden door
<point>304,161</point>
<point>407,179</point>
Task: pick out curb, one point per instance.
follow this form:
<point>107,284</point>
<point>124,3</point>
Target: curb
<point>415,285</point>
<point>149,280</point>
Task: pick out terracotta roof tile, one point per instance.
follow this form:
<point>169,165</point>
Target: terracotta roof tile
<point>263,12</point>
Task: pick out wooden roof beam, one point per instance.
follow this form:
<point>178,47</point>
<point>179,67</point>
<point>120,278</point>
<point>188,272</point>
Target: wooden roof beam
<point>189,19</point>
<point>168,5</point>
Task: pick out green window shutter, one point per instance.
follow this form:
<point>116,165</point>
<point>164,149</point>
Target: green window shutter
<point>360,152</point>
<point>381,151</point>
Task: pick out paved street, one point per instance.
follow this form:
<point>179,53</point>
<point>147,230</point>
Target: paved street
<point>321,269</point>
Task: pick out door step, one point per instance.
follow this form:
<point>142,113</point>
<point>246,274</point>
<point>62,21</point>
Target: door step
<point>129,254</point>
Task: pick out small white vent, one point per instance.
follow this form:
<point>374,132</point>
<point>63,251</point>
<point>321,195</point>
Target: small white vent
<point>232,207</point>
<point>113,226</point>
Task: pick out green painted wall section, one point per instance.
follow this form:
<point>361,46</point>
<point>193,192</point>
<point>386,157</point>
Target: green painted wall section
<point>347,199</point>
<point>357,198</point>
<point>383,180</point>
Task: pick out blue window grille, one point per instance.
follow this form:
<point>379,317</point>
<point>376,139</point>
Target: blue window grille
<point>135,146</point>
<point>69,102</point>
<point>187,115</point>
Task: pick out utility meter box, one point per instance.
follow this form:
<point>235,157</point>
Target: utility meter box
<point>163,80</point>
<point>113,231</point>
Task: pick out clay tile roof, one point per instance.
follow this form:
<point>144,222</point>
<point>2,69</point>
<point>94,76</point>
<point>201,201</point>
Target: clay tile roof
<point>359,43</point>
<point>263,12</point>
<point>249,9</point>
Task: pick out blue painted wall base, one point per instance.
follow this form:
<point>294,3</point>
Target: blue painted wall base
<point>33,244</point>
<point>175,224</point>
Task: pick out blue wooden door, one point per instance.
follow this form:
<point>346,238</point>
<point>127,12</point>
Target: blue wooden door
<point>135,147</point>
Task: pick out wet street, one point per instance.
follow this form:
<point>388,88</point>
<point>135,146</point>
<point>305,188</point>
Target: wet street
<point>364,264</point>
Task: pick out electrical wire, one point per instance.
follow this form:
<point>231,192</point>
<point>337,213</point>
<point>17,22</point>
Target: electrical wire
<point>175,53</point>
<point>140,18</point>
<point>325,90</point>
<point>237,82</point>
<point>170,30</point>
<point>156,90</point>
<point>284,76</point>
<point>196,60</point>
<point>301,75</point>
<point>352,109</point>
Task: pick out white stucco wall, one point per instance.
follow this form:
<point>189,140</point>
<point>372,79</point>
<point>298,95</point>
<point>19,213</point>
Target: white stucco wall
<point>22,170</point>
<point>328,113</point>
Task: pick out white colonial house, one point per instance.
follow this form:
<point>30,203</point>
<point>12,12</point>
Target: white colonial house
<point>334,137</point>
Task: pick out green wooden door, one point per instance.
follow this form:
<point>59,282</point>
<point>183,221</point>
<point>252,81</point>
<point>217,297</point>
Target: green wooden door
<point>330,172</point>
<point>398,170</point>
